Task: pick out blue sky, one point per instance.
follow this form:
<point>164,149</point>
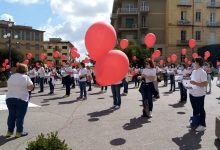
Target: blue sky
<point>68,19</point>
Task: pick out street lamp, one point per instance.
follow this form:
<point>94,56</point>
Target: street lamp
<point>9,36</point>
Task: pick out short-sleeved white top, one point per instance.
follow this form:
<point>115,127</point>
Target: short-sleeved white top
<point>17,86</point>
<point>83,71</point>
<point>149,72</point>
<point>198,75</point>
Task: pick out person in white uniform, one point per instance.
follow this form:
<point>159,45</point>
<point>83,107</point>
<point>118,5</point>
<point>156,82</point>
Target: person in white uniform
<point>198,92</point>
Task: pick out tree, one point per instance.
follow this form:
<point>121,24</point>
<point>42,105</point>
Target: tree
<point>16,56</point>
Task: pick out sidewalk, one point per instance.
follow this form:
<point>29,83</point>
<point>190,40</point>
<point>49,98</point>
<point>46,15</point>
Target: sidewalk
<point>92,125</point>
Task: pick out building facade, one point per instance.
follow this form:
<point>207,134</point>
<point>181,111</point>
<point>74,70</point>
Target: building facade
<point>23,38</point>
<point>174,22</point>
<point>56,44</point>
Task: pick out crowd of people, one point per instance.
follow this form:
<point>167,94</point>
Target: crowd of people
<point>196,79</point>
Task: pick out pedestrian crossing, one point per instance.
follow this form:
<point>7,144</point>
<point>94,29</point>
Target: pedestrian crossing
<point>3,105</point>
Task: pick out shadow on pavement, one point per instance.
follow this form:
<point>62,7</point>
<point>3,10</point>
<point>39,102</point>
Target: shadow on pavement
<point>217,143</point>
<point>135,123</point>
<point>68,102</point>
<point>45,105</point>
<point>177,105</point>
<point>93,119</point>
<point>54,98</point>
<point>97,93</point>
<point>101,113</point>
<point>4,140</point>
<point>118,142</point>
<point>39,95</point>
<point>101,98</point>
<point>189,141</point>
<point>181,113</point>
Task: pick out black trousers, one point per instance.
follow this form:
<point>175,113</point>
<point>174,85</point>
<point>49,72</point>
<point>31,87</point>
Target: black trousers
<point>67,83</point>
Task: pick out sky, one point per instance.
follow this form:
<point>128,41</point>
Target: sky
<point>66,19</point>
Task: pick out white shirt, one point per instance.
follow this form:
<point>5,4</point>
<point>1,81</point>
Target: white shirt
<point>17,86</point>
<point>32,73</point>
<point>199,76</point>
<point>149,72</point>
<point>83,71</point>
<point>65,71</point>
<point>164,69</point>
<point>41,72</point>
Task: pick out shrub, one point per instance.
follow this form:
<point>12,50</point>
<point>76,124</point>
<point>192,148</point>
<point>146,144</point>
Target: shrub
<point>51,142</point>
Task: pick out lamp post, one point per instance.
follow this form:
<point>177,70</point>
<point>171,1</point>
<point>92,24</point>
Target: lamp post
<point>9,37</point>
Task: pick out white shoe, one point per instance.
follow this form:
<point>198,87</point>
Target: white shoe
<point>117,107</point>
<point>200,128</point>
<point>150,114</point>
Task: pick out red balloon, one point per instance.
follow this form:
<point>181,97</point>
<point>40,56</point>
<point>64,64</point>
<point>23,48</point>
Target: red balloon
<point>192,43</point>
<point>134,58</point>
<point>157,53</point>
<point>86,60</point>
<point>186,60</point>
<point>150,40</point>
<point>100,39</point>
<point>17,64</point>
<point>29,56</point>
<point>168,59</point>
<point>56,54</point>
<point>207,54</point>
<point>184,51</point>
<point>124,43</point>
<point>189,62</point>
<point>4,64</point>
<point>26,61</point>
<point>6,61</point>
<point>205,58</point>
<point>3,69</point>
<point>63,57</point>
<point>112,68</point>
<point>173,58</point>
<point>195,55</point>
<point>218,63</point>
<point>7,66</point>
<point>43,56</point>
<point>74,49</point>
<point>161,62</point>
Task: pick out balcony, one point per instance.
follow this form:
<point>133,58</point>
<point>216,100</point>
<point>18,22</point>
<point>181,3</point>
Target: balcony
<point>213,5</point>
<point>182,42</point>
<point>132,27</point>
<point>128,10</point>
<point>213,24</point>
<point>144,27</point>
<point>114,16</point>
<point>184,23</point>
<point>144,8</point>
<point>184,3</point>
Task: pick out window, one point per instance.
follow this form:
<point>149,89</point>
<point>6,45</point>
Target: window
<point>198,16</point>
<point>183,35</point>
<point>23,34</point>
<point>37,36</point>
<point>143,21</point>
<point>32,36</point>
<point>49,54</point>
<point>212,2</point>
<point>28,35</point>
<point>64,47</point>
<point>49,47</point>
<point>28,46</point>
<point>64,54</point>
<point>183,15</point>
<point>18,45</point>
<point>129,22</point>
<point>56,47</point>
<point>212,17</point>
<point>198,35</point>
<point>37,46</point>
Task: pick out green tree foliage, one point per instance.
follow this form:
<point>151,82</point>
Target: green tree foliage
<point>16,56</point>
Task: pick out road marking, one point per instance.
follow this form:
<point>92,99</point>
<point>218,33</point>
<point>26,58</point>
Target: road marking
<point>3,105</point>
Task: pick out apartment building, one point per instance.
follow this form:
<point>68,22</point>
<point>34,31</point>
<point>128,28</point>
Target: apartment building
<point>174,22</point>
<point>23,38</point>
<point>57,44</point>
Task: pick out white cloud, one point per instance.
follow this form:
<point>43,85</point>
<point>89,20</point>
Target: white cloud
<point>25,2</point>
<point>6,17</point>
<point>75,18</point>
